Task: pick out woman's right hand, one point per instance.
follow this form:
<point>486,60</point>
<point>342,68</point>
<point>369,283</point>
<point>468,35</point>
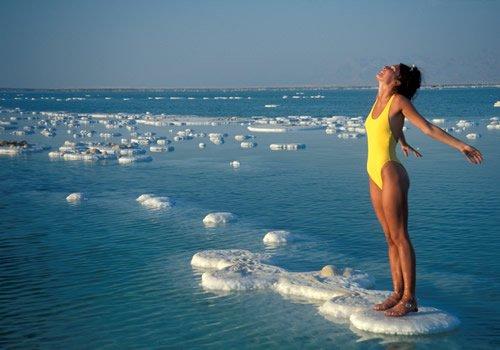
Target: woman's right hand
<point>472,154</point>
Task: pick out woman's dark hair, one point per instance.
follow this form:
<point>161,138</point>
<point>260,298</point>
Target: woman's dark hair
<point>410,78</point>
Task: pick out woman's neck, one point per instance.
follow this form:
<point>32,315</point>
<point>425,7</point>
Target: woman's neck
<point>384,91</point>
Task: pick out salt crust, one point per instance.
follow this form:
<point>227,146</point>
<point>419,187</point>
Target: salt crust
<point>244,270</point>
<point>75,197</point>
<point>427,320</point>
<point>217,219</point>
<point>277,237</point>
<point>152,202</point>
<point>346,296</point>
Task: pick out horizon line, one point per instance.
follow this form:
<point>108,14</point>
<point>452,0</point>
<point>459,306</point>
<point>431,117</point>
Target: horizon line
<point>492,84</point>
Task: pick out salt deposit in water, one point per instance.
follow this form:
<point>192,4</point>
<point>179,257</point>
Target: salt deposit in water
<point>153,202</point>
<point>472,136</point>
<point>277,237</point>
<point>346,295</point>
<point>75,197</point>
<point>247,144</point>
<point>427,320</point>
<point>219,218</point>
<point>287,146</point>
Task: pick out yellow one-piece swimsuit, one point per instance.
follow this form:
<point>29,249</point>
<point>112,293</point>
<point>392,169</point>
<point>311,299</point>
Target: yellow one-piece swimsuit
<point>381,143</point>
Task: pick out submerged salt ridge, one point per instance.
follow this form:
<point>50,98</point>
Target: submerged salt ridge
<point>345,295</point>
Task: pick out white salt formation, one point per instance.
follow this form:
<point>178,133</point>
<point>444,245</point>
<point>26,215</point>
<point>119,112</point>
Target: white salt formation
<point>329,270</point>
<point>464,124</point>
<point>286,146</point>
<point>277,237</point>
<point>439,121</point>
<point>134,159</point>
<point>427,320</point>
<point>496,104</point>
<point>472,136</point>
<point>313,286</point>
<point>14,148</point>
<point>345,293</point>
<point>342,307</point>
<point>219,259</point>
<point>494,124</point>
<point>75,197</point>
<point>267,129</point>
<point>235,164</point>
<point>241,138</point>
<point>220,218</point>
<point>152,202</point>
<point>246,144</point>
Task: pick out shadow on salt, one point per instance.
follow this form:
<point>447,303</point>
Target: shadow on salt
<point>342,296</point>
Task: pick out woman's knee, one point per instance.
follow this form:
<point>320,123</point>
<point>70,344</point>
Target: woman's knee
<point>399,238</point>
<point>389,240</point>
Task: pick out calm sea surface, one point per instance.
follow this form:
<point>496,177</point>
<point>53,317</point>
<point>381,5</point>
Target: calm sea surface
<point>108,273</point>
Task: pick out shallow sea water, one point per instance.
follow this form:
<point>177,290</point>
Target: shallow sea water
<point>108,273</point>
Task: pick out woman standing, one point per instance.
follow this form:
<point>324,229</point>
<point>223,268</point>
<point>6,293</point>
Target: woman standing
<point>389,181</point>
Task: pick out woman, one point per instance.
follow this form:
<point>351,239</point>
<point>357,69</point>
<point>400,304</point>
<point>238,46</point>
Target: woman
<point>389,180</point>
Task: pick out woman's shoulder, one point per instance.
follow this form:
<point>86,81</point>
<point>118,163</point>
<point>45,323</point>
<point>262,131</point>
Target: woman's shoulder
<point>400,100</point>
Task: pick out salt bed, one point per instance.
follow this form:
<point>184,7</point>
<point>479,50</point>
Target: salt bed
<point>220,218</point>
<point>153,202</point>
<point>346,293</point>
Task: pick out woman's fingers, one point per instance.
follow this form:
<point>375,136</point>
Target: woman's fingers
<point>473,155</point>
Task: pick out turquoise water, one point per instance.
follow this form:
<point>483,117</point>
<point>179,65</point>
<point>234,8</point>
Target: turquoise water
<point>109,273</point>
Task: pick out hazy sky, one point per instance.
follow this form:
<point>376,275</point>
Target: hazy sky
<point>234,43</point>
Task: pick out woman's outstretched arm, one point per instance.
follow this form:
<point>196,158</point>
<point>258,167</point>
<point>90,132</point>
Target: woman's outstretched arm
<point>431,130</point>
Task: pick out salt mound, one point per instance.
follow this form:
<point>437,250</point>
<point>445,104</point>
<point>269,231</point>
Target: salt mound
<point>247,144</point>
<point>427,320</point>
<point>217,219</point>
<point>136,159</point>
<point>311,285</point>
<point>269,129</point>
<point>286,146</point>
<point>346,305</point>
<point>276,237</point>
<point>329,270</point>
<point>75,197</point>
<point>248,275</point>
<point>220,259</point>
<point>152,202</point>
<point>235,164</point>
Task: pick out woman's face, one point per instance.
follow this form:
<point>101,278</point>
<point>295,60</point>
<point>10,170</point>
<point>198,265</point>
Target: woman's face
<point>389,74</point>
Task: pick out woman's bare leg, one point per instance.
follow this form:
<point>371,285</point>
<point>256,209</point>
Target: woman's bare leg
<point>395,208</point>
<point>397,277</point>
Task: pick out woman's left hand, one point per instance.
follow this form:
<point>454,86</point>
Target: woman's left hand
<point>407,149</point>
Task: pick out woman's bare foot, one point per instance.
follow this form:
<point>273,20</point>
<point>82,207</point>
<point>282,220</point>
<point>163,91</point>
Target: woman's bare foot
<point>405,305</point>
<point>392,300</point>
